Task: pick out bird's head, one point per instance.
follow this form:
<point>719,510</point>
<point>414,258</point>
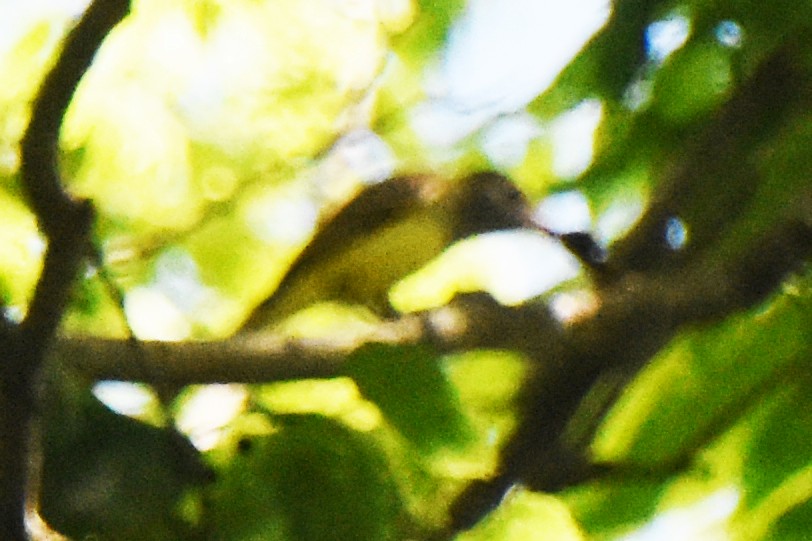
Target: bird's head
<point>490,202</point>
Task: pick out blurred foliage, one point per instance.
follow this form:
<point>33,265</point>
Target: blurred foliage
<point>412,392</point>
<point>271,489</point>
<point>214,136</point>
<point>113,477</point>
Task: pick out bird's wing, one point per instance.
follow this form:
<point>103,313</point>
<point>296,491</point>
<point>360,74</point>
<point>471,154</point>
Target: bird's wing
<point>373,209</point>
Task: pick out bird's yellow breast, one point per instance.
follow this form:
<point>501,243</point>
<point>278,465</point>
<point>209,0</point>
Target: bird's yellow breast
<point>363,273</point>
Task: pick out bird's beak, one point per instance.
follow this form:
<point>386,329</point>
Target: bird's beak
<point>530,220</point>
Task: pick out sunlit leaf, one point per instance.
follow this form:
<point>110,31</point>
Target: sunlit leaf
<point>710,376</point>
<point>430,29</point>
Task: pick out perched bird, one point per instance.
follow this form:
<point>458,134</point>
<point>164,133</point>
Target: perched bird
<point>386,232</point>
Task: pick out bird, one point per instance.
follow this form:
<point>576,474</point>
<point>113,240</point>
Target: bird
<point>387,231</point>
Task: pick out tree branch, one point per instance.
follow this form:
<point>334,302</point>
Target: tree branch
<point>66,225</point>
<point>713,177</point>
<point>653,309</point>
<point>659,304</point>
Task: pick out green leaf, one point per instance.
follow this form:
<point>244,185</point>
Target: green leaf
<point>430,30</point>
<point>314,480</point>
<point>794,526</point>
<point>604,506</point>
<point>411,389</point>
<point>710,376</point>
<point>695,81</point>
<point>779,447</point>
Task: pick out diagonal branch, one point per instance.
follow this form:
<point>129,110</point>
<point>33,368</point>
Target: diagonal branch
<point>574,361</point>
<point>712,178</point>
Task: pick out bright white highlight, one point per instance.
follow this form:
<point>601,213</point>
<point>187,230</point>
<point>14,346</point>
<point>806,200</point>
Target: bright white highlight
<point>573,138</point>
<point>676,233</point>
<point>729,34</point>
<point>621,215</point>
<point>208,411</point>
<point>165,308</point>
<point>152,316</point>
<point>16,18</point>
<point>702,521</point>
<point>506,141</point>
<point>513,266</point>
<point>522,266</point>
<point>126,398</point>
<point>500,56</point>
<point>570,306</point>
<point>666,36</point>
<point>364,153</point>
<point>565,212</point>
<point>287,219</point>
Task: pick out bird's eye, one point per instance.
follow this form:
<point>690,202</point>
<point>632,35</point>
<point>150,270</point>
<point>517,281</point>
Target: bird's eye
<point>511,196</point>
